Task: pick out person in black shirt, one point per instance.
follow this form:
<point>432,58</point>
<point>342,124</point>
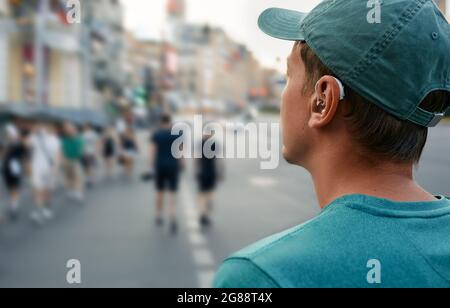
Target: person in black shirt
<point>129,151</point>
<point>109,151</point>
<point>12,168</point>
<point>209,170</point>
<point>167,170</point>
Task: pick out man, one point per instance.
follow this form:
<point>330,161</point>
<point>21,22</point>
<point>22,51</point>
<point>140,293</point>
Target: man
<point>12,168</point>
<point>109,145</point>
<point>167,169</point>
<point>45,162</point>
<point>73,149</point>
<point>356,110</point>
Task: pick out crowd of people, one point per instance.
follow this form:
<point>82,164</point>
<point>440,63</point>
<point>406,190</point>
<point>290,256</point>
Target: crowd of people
<point>49,157</point>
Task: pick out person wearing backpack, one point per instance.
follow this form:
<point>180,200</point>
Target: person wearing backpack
<point>12,169</point>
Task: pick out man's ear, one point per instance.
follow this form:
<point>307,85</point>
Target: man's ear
<point>325,102</point>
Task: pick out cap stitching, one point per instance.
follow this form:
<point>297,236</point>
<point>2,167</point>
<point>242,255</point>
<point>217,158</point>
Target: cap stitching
<point>376,50</point>
<point>387,38</point>
<point>323,10</point>
<point>348,83</point>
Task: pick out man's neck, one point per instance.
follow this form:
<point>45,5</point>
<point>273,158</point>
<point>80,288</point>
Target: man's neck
<point>334,178</point>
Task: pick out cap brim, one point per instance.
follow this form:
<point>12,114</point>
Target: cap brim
<point>282,24</point>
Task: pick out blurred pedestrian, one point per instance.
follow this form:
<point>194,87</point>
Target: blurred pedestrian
<point>129,151</point>
<point>12,168</point>
<point>121,126</point>
<point>209,170</point>
<point>109,146</point>
<point>73,149</point>
<point>91,152</point>
<point>45,163</point>
<point>167,170</point>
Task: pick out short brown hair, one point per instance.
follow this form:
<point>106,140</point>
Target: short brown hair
<point>379,135</point>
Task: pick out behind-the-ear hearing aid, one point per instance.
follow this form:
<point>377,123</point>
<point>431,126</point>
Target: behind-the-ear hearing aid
<point>341,89</point>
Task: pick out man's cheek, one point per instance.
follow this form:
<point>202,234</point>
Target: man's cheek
<point>283,97</point>
<point>287,100</point>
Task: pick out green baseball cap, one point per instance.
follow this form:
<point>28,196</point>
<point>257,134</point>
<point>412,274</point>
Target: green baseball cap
<point>394,62</point>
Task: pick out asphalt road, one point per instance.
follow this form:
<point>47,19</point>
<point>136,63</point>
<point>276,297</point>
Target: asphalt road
<point>114,237</point>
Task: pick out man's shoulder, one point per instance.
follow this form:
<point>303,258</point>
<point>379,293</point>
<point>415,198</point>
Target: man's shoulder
<point>317,230</point>
<point>337,248</point>
<point>299,257</point>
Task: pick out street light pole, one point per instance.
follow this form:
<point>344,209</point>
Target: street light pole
<point>39,55</point>
<point>86,54</point>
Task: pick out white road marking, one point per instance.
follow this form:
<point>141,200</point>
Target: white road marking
<point>191,214</point>
<point>196,239</point>
<point>193,226</point>
<point>203,257</point>
<point>205,279</point>
<point>263,182</point>
<point>201,254</point>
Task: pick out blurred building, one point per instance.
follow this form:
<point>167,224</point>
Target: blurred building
<point>271,86</point>
<point>213,70</point>
<point>107,57</point>
<point>444,5</point>
<point>40,53</point>
<point>47,60</point>
<point>213,67</point>
<point>143,75</point>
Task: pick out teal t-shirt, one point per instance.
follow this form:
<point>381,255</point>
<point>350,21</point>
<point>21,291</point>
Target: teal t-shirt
<point>73,148</point>
<point>357,241</point>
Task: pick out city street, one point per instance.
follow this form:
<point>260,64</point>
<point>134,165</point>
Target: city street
<point>114,236</point>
